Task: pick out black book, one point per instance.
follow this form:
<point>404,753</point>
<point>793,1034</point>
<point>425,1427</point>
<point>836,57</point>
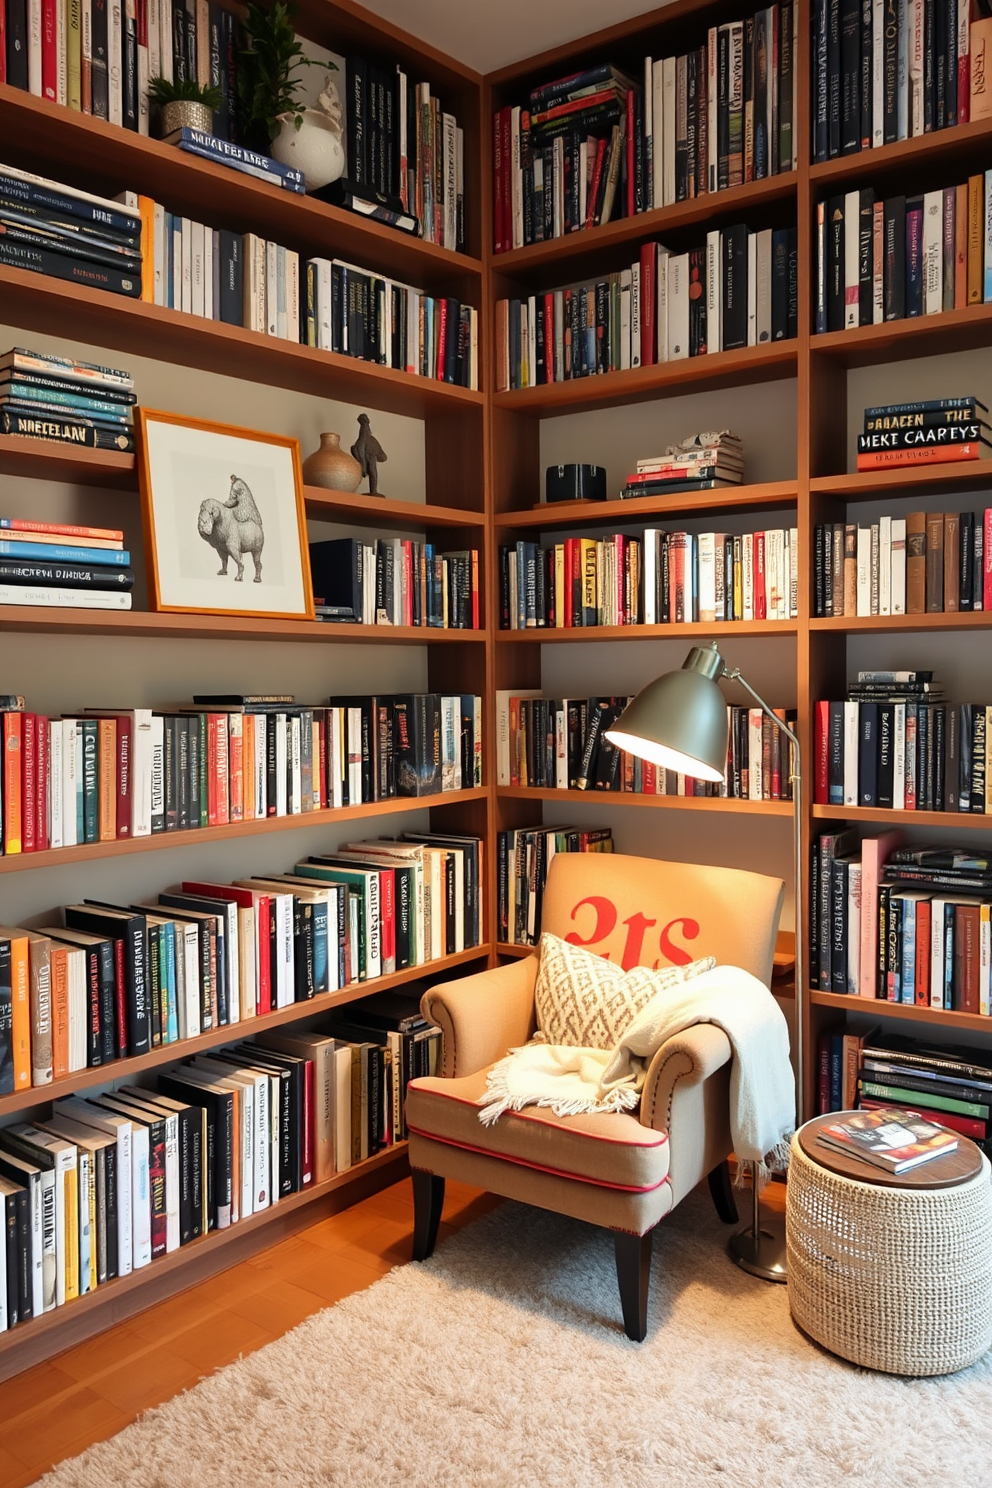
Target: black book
<point>599,709</point>
<point>231,277</point>
<point>866,220</point>
<point>100,63</point>
<point>19,1200</point>
<point>65,431</point>
<point>886,754</point>
<point>781,246</point>
<point>835,263</point>
<point>418,744</point>
<point>129,66</point>
<point>966,567</point>
<point>833,61</point>
<point>938,46</point>
<point>850,80</point>
<point>786,63</point>
<point>6,1021</point>
<point>17,43</point>
<point>894,258</point>
<point>101,989</point>
<point>58,265</point>
<point>132,930</point>
<point>179,72</point>
<point>722,109</point>
<point>821,75</point>
<point>838,924</point>
<point>835,754</point>
<point>866,100</point>
<point>8,1238</point>
<point>939,756</point>
<point>890,70</point>
<point>868,754</point>
<point>218,70</point>
<point>182,775</point>
<point>734,318</point>
<point>763,53</point>
<point>952,759</point>
<point>697,302</point>
<point>66,575</point>
<point>336,572</point>
<point>914,256</point>
<point>170,771</point>
<point>219,1105</point>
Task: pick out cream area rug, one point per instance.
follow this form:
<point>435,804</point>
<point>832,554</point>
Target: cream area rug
<point>501,1363</point>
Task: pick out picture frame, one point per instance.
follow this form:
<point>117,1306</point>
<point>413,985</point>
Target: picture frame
<point>223,518</point>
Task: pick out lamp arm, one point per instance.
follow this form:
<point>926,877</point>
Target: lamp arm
<point>797,820</point>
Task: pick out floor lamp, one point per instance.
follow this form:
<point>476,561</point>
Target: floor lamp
<point>680,722</point>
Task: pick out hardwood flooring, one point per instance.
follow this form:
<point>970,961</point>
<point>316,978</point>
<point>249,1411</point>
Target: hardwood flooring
<point>94,1390</point>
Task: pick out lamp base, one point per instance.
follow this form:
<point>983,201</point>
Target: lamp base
<point>760,1251</point>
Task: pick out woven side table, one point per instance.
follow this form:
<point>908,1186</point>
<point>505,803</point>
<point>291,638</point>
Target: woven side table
<point>895,1278</point>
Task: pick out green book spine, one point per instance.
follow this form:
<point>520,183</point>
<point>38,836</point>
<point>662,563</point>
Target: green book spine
<point>155,975</point>
<point>912,1099</point>
<point>90,788</point>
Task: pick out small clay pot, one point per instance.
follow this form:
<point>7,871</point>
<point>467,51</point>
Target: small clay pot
<point>183,113</point>
<point>332,467</point>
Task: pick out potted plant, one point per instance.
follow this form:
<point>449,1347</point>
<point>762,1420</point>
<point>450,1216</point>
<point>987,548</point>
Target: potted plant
<point>185,104</point>
<point>274,120</point>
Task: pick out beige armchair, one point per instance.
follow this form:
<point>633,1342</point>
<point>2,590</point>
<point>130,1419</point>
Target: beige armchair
<point>622,1172</point>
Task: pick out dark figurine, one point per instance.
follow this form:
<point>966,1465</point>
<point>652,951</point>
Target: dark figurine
<point>368,452</point>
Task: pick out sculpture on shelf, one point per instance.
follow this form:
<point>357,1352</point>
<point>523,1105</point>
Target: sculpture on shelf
<point>706,439</point>
<point>234,528</point>
<point>368,452</point>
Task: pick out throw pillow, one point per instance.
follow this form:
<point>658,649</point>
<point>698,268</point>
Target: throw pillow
<point>585,1002</point>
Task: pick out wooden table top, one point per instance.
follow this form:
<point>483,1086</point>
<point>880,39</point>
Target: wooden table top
<point>959,1165</point>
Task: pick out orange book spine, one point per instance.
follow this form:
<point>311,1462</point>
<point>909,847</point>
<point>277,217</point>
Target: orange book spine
<point>12,840</point>
<point>60,1011</point>
<point>236,766</point>
<point>107,779</point>
<point>934,455</point>
<point>248,768</point>
<point>223,768</point>
<point>20,994</point>
<point>146,207</point>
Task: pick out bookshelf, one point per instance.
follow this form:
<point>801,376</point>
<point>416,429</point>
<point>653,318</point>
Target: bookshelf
<point>481,457</point>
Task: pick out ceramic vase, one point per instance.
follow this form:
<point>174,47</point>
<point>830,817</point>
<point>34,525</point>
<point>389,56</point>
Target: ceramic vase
<point>315,148</point>
<point>332,467</point>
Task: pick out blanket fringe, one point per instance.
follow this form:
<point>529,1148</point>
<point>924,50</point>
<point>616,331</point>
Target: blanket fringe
<point>498,1099</point>
<point>775,1161</point>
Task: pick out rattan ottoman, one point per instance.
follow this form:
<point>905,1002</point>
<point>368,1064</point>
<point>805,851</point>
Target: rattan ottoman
<point>894,1278</point>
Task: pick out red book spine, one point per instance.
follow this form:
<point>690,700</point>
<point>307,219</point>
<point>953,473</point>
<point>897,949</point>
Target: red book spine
<point>387,910</point>
<point>677,559</point>
<point>442,338</point>
<point>156,1186</point>
<point>649,341</point>
<point>124,783</point>
<point>549,338</point>
<point>921,991</point>
<point>498,182</point>
<point>821,745</point>
<point>597,175</point>
<point>42,772</point>
<point>29,782</point>
<point>507,118</point>
<point>12,793</point>
<point>629,153</point>
<point>49,50</point>
<point>760,586</point>
<point>120,1001</point>
<point>223,771</point>
<point>307,1135</point>
<point>236,766</point>
<point>964,78</point>
<point>649,779</point>
<point>263,912</point>
<point>407,590</point>
<point>212,817</point>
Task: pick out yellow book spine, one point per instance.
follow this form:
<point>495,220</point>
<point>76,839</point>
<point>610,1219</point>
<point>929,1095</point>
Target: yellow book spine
<point>559,585</point>
<point>71,1190</point>
<point>107,778</point>
<point>589,585</point>
<point>988,760</point>
<point>93,1236</point>
<point>147,209</point>
<point>74,48</point>
<point>20,986</point>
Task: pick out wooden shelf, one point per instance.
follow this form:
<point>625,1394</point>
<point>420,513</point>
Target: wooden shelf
<point>65,857</point>
<point>874,1007</point>
<point>918,336</point>
<point>575,253</point>
<point>945,146</point>
<point>34,302</point>
<point>102,157</point>
<point>953,620</point>
<point>570,634</point>
<point>692,374</point>
<point>769,494</point>
<point>170,1054</point>
<point>143,624</point>
<point>720,804</point>
<point>955,821</point>
<point>909,480</point>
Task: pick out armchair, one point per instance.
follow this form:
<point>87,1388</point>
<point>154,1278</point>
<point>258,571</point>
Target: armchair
<point>623,1172</point>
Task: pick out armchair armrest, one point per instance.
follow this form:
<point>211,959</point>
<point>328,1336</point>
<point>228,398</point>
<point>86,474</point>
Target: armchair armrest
<point>687,1095</point>
<point>483,1016</point>
<point>687,1059</point>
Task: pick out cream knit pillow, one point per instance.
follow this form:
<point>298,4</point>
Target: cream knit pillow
<point>585,1002</point>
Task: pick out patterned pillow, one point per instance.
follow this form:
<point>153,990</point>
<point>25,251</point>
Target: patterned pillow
<point>585,1002</point>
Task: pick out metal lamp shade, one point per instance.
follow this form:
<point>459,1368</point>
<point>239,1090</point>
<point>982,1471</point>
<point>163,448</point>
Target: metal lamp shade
<point>680,722</point>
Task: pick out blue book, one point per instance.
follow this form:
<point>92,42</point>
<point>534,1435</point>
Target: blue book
<point>987,255</point>
<point>55,553</point>
<point>27,392</point>
<point>170,1006</point>
<point>236,157</point>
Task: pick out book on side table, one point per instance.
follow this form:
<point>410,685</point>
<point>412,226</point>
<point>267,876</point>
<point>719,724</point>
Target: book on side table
<point>891,1139</point>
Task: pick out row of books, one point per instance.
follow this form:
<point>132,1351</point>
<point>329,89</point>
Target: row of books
<point>903,753</point>
<point>50,397</point>
<point>707,461</point>
<point>52,563</point>
<point>901,924</point>
<point>108,774</point>
<point>109,1184</point>
<point>879,260</point>
<point>560,743</point>
<point>395,581</point>
<point>49,228</point>
<point>883,73</point>
<point>658,579</point>
<point>597,144</point>
<point>737,290</point>
<point>926,562</point>
<point>524,855</point>
<point>114,981</point>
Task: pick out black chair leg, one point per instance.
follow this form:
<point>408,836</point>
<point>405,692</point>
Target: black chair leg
<point>633,1274</point>
<point>722,1191</point>
<point>428,1201</point>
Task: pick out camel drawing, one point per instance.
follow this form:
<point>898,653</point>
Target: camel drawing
<point>234,528</point>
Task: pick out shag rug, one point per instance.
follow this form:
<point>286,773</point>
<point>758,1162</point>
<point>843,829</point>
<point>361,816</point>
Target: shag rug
<point>501,1363</point>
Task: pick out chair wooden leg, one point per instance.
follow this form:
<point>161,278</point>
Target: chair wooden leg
<point>428,1201</point>
<point>633,1254</point>
<point>722,1192</point>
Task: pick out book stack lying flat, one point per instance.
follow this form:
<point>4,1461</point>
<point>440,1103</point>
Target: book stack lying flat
<point>945,1083</point>
<point>707,465</point>
<point>51,397</point>
<point>926,433</point>
<point>48,228</point>
<point>47,564</point>
<point>893,1140</point>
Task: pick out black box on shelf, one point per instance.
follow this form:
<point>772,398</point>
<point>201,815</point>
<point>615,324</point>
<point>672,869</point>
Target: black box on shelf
<point>575,483</point>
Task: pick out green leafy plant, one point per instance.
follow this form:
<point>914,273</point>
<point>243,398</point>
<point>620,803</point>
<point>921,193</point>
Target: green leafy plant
<point>162,90</point>
<point>268,73</point>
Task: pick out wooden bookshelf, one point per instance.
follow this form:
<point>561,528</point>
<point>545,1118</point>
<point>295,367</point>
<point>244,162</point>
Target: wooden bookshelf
<point>145,624</point>
<point>945,148</point>
<point>950,821</point>
<point>875,1007</point>
<point>918,336</point>
<point>944,620</point>
<point>759,497</point>
<point>550,635</point>
<point>911,480</point>
<point>719,804</point>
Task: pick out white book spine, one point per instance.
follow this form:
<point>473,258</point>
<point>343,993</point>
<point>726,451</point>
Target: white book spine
<point>754,752</point>
<point>186,261</point>
<point>165,38</point>
<point>864,572</point>
<point>197,268</point>
<point>115,43</point>
<point>678,307</point>
<point>271,322</point>
<point>190,950</point>
<point>516,180</point>
<point>878,73</point>
<point>661,316</point>
<point>851,720</point>
<point>668,86</point>
<point>647,135</point>
<point>851,210</point>
<point>885,565</point>
<point>853,928</point>
<point>761,251</point>
<point>624,320</point>
<point>159,253</point>
<point>707,577</point>
<point>658,133</point>
<point>936,953</point>
<point>933,279</point>
<point>34,47</point>
<point>899,757</point>
<point>292,296</point>
<point>897,580</point>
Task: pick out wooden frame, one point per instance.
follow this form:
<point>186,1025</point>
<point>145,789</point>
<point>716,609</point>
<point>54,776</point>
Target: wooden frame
<point>213,509</point>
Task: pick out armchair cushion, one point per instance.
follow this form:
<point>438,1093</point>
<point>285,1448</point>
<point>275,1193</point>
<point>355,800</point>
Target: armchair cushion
<point>585,1002</point>
<point>611,1151</point>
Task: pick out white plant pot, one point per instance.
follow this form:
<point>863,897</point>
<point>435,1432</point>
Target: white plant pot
<point>315,148</point>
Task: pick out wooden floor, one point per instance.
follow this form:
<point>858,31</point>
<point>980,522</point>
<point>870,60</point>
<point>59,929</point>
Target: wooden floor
<point>92,1391</point>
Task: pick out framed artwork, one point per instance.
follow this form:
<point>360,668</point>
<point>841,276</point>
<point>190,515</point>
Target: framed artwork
<point>223,519</point>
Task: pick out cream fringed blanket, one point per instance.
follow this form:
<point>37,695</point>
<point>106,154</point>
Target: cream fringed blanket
<point>576,1081</point>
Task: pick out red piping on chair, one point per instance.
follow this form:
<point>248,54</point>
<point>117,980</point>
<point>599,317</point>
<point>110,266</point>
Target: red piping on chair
<point>521,1162</point>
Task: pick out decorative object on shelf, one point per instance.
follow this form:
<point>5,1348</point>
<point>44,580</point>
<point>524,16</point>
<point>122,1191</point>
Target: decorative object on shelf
<point>575,483</point>
<point>368,452</point>
<point>332,467</point>
<point>311,140</point>
<point>214,490</point>
<point>185,105</point>
<point>702,462</point>
<point>680,721</point>
<point>269,83</point>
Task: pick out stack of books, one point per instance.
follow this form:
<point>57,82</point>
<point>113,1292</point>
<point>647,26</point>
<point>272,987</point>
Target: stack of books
<point>709,465</point>
<point>62,567</point>
<point>927,433</point>
<point>49,228</point>
<point>893,1140</point>
<point>524,856</point>
<point>395,581</point>
<point>51,397</point>
<point>926,562</point>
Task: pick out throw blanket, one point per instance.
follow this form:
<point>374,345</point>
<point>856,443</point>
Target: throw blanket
<point>573,1082</point>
